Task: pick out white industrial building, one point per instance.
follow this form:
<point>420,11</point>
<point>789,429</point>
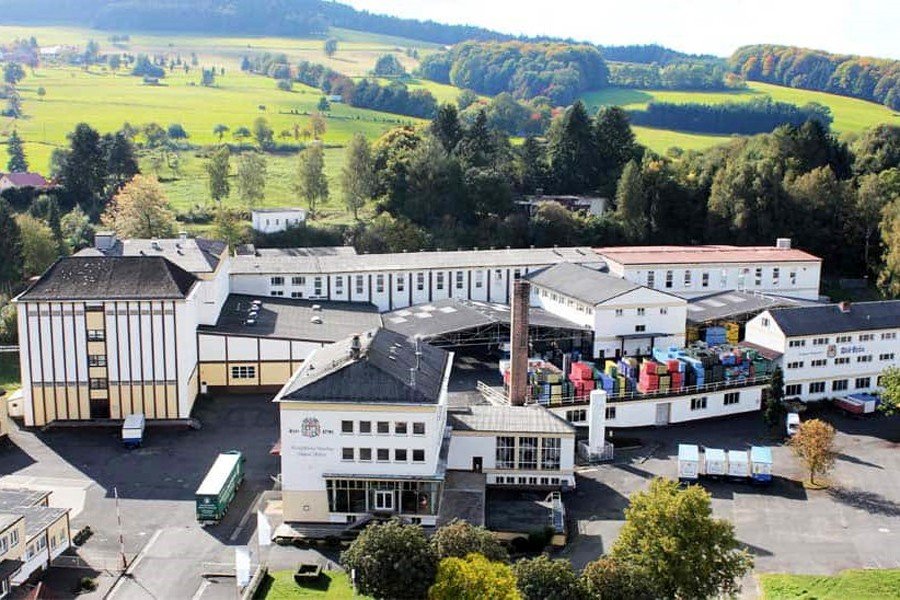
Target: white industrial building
<point>830,350</point>
<point>275,220</point>
<point>691,271</point>
<point>391,281</point>
<point>627,318</point>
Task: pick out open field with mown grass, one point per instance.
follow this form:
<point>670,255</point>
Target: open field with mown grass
<point>280,585</point>
<point>857,584</point>
<point>851,116</point>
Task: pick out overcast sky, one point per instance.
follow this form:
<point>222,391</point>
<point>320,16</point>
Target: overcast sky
<point>868,27</point>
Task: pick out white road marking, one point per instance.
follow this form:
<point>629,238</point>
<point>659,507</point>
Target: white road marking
<point>134,564</point>
<point>237,532</point>
<point>199,593</point>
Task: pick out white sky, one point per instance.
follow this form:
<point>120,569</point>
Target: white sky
<point>868,27</point>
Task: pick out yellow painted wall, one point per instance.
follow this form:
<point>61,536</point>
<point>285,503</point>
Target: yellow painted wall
<point>84,401</point>
<point>242,382</point>
<point>95,320</point>
<point>60,527</point>
<point>274,373</point>
<point>309,507</point>
<point>149,402</point>
<point>186,405</point>
<point>96,348</point>
<point>213,374</point>
<point>172,400</point>
<point>97,372</point>
<point>15,552</point>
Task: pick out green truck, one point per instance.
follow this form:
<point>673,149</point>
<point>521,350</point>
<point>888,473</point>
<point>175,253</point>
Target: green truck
<point>219,487</point>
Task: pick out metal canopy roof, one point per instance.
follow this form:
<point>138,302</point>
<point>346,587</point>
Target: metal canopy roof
<point>731,304</point>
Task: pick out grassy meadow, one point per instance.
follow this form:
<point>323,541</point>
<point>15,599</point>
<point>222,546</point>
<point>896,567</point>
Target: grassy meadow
<point>855,584</point>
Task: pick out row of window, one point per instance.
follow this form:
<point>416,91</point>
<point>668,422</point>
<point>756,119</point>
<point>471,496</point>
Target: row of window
<point>641,311</point>
<point>243,372</point>
<point>688,278</point>
<point>509,480</point>
<point>527,453</point>
<point>702,402</point>
<point>382,455</point>
<point>818,387</point>
<point>841,360</point>
<point>8,541</point>
<point>399,282</point>
<point>382,427</point>
<point>841,339</point>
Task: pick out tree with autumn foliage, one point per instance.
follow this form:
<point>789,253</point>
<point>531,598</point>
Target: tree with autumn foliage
<point>473,578</point>
<point>813,444</point>
<point>140,210</point>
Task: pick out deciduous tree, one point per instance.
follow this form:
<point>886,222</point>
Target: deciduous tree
<point>310,182</point>
<point>39,248</point>
<point>460,538</point>
<point>813,444</point>
<point>542,578</point>
<point>357,175</point>
<point>220,130</point>
<point>217,168</point>
<point>140,210</point>
<point>13,73</point>
<point>318,125</point>
<point>392,560</point>
<point>229,227</point>
<point>251,178</point>
<point>666,529</point>
<point>889,275</point>
<point>263,133</point>
<point>890,394</point>
<point>446,127</point>
<point>473,578</point>
<point>331,47</point>
<point>610,579</point>
<point>77,230</point>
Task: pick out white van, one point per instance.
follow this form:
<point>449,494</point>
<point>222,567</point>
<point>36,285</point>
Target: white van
<point>792,424</point>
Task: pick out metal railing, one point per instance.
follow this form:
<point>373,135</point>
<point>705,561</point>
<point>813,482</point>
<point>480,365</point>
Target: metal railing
<point>492,394</point>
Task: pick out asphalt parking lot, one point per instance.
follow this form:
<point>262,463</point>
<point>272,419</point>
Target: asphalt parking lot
<point>168,551</point>
<point>854,524</point>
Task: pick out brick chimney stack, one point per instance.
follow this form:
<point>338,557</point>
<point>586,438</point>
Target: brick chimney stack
<point>518,369</point>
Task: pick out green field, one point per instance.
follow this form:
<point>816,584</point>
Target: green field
<point>280,586</point>
<point>856,584</point>
<point>850,115</point>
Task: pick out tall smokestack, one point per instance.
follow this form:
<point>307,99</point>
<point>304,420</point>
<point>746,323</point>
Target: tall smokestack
<point>518,368</point>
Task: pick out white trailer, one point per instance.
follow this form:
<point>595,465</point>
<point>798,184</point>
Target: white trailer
<point>738,464</point>
<point>761,464</point>
<point>714,462</point>
<point>688,462</point>
<point>133,430</point>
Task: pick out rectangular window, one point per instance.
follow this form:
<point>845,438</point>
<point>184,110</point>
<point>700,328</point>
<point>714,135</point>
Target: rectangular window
<point>97,360</point>
<point>843,339</point>
<point>379,284</point>
<point>843,360</point>
<point>641,312</point>
<point>384,427</point>
<point>346,426</point>
<point>506,452</point>
<point>698,403</point>
<point>418,456</point>
<point>400,454</point>
<point>277,280</point>
<point>517,273</point>
<point>793,389</point>
<point>317,286</point>
<point>384,454</point>
<point>298,280</point>
<point>420,281</point>
<point>479,279</point>
<point>96,335</point>
<point>401,282</point>
<point>619,312</point>
<point>776,275</point>
<point>863,382</point>
<point>757,279</point>
<point>793,277</point>
<point>888,356</point>
<point>347,454</point>
<point>796,343</point>
<point>296,295</point>
<point>359,284</point>
<point>687,278</point>
<point>459,280</point>
<point>732,398</point>
<point>610,413</point>
<point>839,385</point>
<point>817,387</point>
<point>418,428</point>
<point>576,416</point>
<point>822,341</point>
<point>551,449</point>
<point>339,284</point>
<point>663,310</point>
<point>528,453</point>
<point>866,337</point>
<point>795,365</point>
<point>243,372</point>
<point>670,276</point>
<point>651,279</point>
<point>439,284</point>
<point>892,335</point>
<point>704,279</point>
<point>97,383</point>
<point>820,362</point>
<point>640,328</point>
<point>864,359</point>
<point>400,428</point>
<point>365,454</point>
<point>365,426</point>
<point>277,293</point>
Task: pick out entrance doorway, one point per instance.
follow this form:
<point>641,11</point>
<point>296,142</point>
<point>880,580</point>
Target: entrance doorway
<point>477,464</point>
<point>100,408</point>
<point>384,500</point>
<point>663,411</point>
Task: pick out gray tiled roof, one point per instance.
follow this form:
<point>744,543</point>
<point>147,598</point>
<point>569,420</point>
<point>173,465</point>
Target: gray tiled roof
<point>15,497</point>
<point>828,318</point>
<point>195,255</point>
<point>111,278</point>
<point>731,303</point>
<point>39,518</point>
<point>409,261</point>
<point>293,319</point>
<point>582,283</point>
<point>389,369</point>
<point>513,419</point>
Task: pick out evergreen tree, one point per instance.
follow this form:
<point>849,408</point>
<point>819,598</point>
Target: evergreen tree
<point>84,170</point>
<point>16,151</point>
<point>309,178</point>
<point>533,172</point>
<point>572,150</point>
<point>477,148</point>
<point>615,144</point>
<point>121,163</point>
<point>774,409</point>
<point>446,127</point>
<point>631,203</point>
<point>358,175</point>
<point>10,249</point>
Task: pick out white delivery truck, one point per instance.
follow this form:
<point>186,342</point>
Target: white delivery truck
<point>133,430</point>
<point>714,462</point>
<point>688,462</point>
<point>738,464</point>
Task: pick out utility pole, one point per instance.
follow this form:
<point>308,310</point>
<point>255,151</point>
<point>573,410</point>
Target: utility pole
<point>121,535</point>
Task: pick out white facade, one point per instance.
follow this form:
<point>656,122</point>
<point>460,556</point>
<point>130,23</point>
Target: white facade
<point>828,364</point>
<point>670,409</point>
<point>619,324</point>
<point>274,220</point>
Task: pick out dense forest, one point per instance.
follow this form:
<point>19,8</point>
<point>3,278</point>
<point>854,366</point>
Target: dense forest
<point>650,54</point>
<point>684,75</point>
<point>857,76</point>
<point>526,70</point>
<point>759,115</point>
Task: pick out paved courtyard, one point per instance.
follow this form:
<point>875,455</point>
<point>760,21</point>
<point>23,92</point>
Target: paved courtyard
<point>855,524</point>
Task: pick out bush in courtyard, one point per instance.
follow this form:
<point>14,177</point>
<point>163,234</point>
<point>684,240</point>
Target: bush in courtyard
<point>460,538</point>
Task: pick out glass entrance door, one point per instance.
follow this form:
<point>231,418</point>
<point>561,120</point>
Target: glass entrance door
<point>384,500</point>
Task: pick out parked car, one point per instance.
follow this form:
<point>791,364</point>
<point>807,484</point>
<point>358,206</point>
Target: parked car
<point>792,424</point>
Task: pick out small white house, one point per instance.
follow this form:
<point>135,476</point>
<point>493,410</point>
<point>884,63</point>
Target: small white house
<point>273,220</point>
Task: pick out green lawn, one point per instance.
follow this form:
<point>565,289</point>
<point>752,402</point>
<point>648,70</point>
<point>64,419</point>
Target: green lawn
<point>280,585</point>
<point>856,584</point>
<point>10,378</point>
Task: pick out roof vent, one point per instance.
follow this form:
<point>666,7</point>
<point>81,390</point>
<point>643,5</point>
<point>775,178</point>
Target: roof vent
<point>355,347</point>
<point>783,243</point>
<point>844,307</point>
<point>317,307</point>
<point>316,319</point>
<point>182,235</point>
<point>155,245</point>
<point>250,322</point>
<point>104,240</point>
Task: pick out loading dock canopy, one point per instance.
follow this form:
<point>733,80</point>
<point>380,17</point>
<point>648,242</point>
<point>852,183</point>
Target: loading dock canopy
<point>454,322</point>
<point>734,305</point>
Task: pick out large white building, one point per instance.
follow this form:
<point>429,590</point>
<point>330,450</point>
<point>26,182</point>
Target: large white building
<point>830,350</point>
<point>391,281</point>
<point>691,271</point>
<point>627,318</point>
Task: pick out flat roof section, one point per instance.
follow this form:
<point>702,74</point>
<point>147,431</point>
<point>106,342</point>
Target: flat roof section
<point>443,317</point>
<point>18,497</point>
<point>39,518</point>
<point>673,255</point>
<point>463,497</point>
<point>734,303</point>
<point>513,419</point>
<point>8,519</point>
<point>286,318</point>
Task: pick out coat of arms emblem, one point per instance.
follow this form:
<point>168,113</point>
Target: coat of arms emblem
<point>310,427</point>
